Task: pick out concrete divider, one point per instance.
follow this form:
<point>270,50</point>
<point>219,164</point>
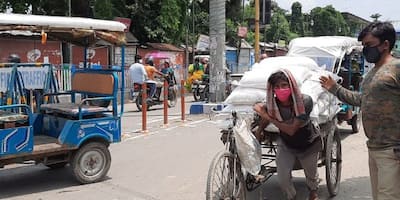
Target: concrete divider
<point>205,108</point>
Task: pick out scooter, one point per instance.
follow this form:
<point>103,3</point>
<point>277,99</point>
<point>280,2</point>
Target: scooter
<point>157,99</point>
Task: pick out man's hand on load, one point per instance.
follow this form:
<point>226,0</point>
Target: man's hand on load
<point>327,82</point>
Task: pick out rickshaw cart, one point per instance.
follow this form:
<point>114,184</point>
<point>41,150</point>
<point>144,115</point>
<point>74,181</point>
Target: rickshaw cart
<point>226,177</point>
<point>339,55</point>
<point>78,131</point>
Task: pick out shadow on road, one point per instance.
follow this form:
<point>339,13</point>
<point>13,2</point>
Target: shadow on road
<point>30,179</point>
<point>357,188</point>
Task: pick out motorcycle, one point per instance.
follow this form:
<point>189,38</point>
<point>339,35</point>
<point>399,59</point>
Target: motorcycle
<point>200,89</point>
<point>158,98</point>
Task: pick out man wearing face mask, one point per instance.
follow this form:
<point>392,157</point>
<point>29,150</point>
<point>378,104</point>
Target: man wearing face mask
<point>379,100</point>
<point>289,111</point>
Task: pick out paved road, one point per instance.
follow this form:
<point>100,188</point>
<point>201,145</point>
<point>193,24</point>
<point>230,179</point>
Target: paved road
<point>170,163</point>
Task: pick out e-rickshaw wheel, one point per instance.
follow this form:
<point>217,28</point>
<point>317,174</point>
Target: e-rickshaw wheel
<point>91,162</point>
<point>333,162</point>
<point>225,179</point>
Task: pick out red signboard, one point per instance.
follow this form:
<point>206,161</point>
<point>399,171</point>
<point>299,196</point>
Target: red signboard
<point>95,55</point>
<point>31,51</point>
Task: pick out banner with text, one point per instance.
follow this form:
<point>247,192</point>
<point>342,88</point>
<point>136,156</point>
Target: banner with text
<point>33,77</point>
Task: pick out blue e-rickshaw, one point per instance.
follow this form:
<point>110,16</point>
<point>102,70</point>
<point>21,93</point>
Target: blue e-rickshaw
<point>57,128</point>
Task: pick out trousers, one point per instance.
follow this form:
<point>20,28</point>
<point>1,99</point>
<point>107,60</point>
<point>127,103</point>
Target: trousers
<point>285,160</point>
<point>384,170</point>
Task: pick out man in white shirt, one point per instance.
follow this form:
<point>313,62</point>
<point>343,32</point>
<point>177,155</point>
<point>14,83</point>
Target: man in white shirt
<point>137,72</point>
<point>138,75</point>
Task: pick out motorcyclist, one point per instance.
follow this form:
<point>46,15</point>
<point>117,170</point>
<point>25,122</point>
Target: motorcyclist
<point>138,74</point>
<point>167,70</point>
<point>151,71</point>
<point>196,71</point>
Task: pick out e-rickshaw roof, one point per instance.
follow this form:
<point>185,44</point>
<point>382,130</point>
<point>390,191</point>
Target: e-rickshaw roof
<point>323,46</point>
<point>77,30</point>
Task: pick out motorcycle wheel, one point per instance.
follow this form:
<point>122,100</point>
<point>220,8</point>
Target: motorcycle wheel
<point>139,103</point>
<point>171,98</point>
<point>196,93</point>
<point>205,95</point>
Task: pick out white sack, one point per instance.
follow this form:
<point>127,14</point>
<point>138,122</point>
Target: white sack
<point>252,86</point>
<point>246,96</point>
<point>249,149</point>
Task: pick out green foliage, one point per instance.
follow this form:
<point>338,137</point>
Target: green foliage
<point>103,9</point>
<point>328,21</point>
<point>55,8</point>
<point>296,19</point>
<point>119,8</point>
<point>158,21</point>
<point>170,20</point>
<point>234,10</point>
<point>279,28</point>
<point>18,6</point>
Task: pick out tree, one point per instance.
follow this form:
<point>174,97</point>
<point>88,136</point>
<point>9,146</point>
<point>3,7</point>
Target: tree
<point>54,8</point>
<point>17,6</point>
<point>279,29</point>
<point>328,21</point>
<point>158,21</point>
<point>103,9</point>
<point>119,8</point>
<point>296,19</point>
<point>234,10</point>
<point>376,16</point>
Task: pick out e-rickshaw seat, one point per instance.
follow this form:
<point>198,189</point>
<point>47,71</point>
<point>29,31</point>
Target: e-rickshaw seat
<point>8,118</point>
<point>86,83</point>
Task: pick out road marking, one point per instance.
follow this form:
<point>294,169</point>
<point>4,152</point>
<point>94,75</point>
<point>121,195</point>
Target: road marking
<point>126,136</point>
<point>191,124</point>
<point>139,136</point>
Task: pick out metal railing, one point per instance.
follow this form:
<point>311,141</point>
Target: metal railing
<point>63,76</point>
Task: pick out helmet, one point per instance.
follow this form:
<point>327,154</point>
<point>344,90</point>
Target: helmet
<point>204,60</point>
<point>149,61</point>
<point>14,58</point>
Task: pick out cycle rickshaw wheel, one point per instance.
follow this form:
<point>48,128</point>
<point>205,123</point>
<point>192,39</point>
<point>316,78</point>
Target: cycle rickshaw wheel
<point>225,179</point>
<point>333,162</point>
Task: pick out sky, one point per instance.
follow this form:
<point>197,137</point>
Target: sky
<point>389,9</point>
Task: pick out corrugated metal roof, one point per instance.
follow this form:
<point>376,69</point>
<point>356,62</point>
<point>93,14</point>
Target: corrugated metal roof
<point>165,47</point>
<point>130,38</point>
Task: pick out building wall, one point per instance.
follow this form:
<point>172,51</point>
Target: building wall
<point>31,51</point>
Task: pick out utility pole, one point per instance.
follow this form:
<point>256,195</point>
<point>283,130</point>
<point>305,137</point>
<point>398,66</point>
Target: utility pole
<point>257,30</point>
<point>217,51</point>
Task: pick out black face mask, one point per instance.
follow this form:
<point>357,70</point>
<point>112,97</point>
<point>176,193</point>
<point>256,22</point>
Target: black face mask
<point>372,54</point>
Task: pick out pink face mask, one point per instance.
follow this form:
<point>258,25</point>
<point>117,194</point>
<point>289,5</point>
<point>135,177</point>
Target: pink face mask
<point>283,94</point>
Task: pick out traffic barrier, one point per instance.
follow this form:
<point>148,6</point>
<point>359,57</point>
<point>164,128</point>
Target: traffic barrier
<point>183,100</point>
<point>165,102</point>
<point>144,108</point>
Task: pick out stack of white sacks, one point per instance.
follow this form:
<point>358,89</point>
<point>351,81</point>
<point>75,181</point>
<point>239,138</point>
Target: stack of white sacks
<point>252,87</point>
